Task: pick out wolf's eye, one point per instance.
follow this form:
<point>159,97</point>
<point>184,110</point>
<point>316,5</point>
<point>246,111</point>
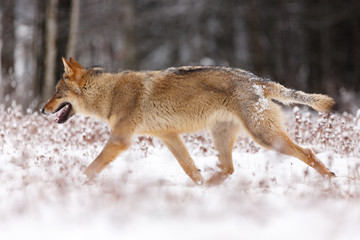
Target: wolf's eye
<point>58,91</point>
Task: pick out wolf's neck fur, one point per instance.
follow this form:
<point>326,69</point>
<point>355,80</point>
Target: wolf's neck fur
<point>120,91</point>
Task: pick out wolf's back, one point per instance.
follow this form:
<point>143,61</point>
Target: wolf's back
<point>319,102</point>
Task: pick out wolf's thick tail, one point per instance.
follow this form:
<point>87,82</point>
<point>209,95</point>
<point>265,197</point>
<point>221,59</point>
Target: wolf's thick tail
<point>319,102</point>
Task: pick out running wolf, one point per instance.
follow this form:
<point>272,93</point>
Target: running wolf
<point>180,100</point>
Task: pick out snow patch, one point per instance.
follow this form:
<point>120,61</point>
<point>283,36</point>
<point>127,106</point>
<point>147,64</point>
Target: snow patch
<point>145,193</point>
<point>262,103</point>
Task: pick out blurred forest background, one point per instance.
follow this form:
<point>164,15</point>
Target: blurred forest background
<point>311,45</point>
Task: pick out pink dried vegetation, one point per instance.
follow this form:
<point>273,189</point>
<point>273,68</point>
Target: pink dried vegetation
<point>334,132</point>
<point>43,162</point>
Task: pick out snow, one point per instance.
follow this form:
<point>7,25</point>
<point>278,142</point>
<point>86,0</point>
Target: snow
<point>145,193</point>
<point>262,103</point>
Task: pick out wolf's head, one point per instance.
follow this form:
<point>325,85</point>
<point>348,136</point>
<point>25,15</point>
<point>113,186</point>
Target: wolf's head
<point>67,99</point>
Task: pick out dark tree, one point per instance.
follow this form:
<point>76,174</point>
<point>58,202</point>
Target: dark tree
<point>8,46</point>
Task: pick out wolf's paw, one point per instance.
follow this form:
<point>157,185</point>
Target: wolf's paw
<point>197,178</point>
<point>90,174</point>
<point>217,179</point>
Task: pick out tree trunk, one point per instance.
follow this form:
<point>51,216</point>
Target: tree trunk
<point>225,38</point>
<point>63,29</point>
<point>356,58</point>
<point>8,47</point>
<point>50,48</point>
<point>39,53</point>
<point>130,46</point>
<point>256,50</point>
<point>74,27</point>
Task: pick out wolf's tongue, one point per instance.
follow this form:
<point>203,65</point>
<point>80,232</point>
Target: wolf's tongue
<point>62,113</point>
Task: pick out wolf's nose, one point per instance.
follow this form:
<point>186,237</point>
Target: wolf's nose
<point>42,111</point>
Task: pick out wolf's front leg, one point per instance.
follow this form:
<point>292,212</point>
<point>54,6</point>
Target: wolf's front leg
<point>112,149</point>
<point>177,147</point>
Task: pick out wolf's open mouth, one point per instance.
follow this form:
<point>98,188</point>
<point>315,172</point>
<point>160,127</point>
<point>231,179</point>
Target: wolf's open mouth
<point>65,112</point>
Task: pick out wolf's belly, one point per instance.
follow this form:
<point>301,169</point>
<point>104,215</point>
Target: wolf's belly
<point>158,122</point>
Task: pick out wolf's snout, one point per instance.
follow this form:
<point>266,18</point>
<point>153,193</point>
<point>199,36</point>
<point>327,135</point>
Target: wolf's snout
<point>42,110</point>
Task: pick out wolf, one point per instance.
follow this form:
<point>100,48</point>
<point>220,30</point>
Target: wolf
<point>178,100</point>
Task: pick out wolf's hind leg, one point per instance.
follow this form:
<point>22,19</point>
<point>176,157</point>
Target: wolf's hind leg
<point>267,131</point>
<point>224,135</point>
<point>178,149</point>
<point>282,143</point>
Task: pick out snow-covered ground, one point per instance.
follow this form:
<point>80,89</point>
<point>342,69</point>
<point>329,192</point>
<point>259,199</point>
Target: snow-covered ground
<point>144,194</point>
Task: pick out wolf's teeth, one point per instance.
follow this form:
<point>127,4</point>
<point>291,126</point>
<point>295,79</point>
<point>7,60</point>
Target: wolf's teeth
<point>62,112</point>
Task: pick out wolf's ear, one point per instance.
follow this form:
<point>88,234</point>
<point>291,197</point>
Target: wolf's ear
<point>69,68</point>
<point>75,63</point>
<point>74,70</point>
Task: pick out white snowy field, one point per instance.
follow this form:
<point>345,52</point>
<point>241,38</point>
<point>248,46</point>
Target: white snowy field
<point>144,194</point>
